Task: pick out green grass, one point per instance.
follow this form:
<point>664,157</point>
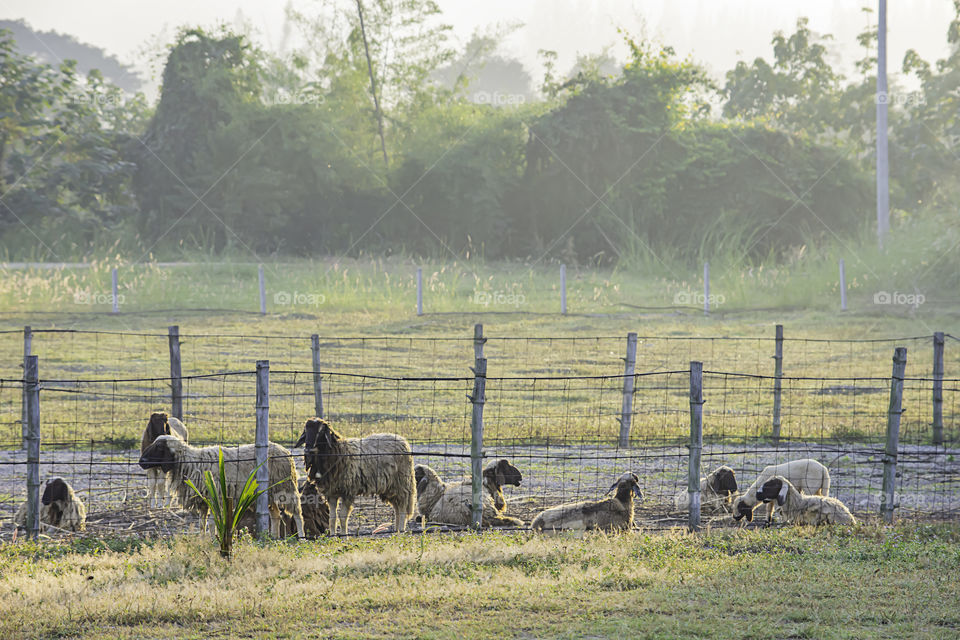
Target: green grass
<point>864,582</point>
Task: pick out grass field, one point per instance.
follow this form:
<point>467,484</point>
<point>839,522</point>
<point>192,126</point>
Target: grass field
<point>867,582</point>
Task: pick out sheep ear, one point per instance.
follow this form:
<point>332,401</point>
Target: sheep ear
<point>302,441</point>
<point>612,487</point>
<point>782,496</point>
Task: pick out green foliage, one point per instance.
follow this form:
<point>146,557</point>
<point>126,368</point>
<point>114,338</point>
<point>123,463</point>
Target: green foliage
<point>225,509</point>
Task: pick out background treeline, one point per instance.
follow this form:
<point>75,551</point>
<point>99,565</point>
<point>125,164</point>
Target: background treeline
<point>291,154</point>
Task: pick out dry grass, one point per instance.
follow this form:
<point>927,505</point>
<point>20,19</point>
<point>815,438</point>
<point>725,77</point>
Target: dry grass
<point>867,582</point>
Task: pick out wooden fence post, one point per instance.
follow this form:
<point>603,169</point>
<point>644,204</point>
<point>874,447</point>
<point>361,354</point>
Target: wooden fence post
<point>938,387</point>
<point>696,442</point>
<point>478,341</point>
<point>419,291</point>
<point>887,504</point>
<point>31,383</point>
<point>563,289</point>
<point>176,380</point>
<point>317,378</point>
<point>476,441</point>
<point>843,286</point>
<point>263,290</point>
<point>27,346</point>
<point>262,445</point>
<point>626,408</point>
<point>777,380</point>
<point>706,288</point>
<point>115,286</point>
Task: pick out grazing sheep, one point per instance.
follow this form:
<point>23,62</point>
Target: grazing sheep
<point>800,509</point>
<point>185,462</point>
<point>313,507</point>
<point>452,503</point>
<point>59,507</point>
<point>807,476</point>
<point>344,468</point>
<point>160,424</point>
<point>609,514</point>
<point>716,492</point>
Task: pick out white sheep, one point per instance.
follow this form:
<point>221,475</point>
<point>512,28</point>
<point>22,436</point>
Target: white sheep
<point>609,514</point>
<point>452,502</point>
<point>716,492</point>
<point>807,476</point>
<point>158,487</point>
<point>59,507</point>
<point>344,468</point>
<point>797,508</point>
<point>186,462</point>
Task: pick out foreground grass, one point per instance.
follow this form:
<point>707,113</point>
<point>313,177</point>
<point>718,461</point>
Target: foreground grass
<point>868,582</point>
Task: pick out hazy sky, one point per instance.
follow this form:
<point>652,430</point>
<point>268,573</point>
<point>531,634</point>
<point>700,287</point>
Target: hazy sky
<point>715,32</point>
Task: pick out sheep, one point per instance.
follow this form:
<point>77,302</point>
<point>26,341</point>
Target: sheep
<point>797,508</point>
<point>452,503</point>
<point>344,468</point>
<point>186,462</point>
<point>312,506</point>
<point>807,476</point>
<point>160,424</point>
<point>609,514</point>
<point>716,492</point>
<point>59,507</point>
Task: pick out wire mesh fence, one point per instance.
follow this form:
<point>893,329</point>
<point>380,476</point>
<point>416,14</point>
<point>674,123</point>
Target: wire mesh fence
<point>562,430</point>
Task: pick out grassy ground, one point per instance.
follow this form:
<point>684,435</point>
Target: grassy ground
<point>867,582</point>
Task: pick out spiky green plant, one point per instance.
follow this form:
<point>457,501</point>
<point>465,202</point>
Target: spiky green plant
<point>225,514</point>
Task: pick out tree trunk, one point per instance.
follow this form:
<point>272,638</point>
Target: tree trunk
<point>373,86</point>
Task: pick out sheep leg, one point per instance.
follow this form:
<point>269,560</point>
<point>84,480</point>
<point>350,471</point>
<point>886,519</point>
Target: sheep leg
<point>769,513</point>
<point>400,520</point>
<point>347,510</point>
<point>334,508</point>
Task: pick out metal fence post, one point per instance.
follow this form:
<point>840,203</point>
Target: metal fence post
<point>938,387</point>
<point>27,346</point>
<point>176,380</point>
<point>476,441</point>
<point>777,380</point>
<point>696,442</point>
<point>887,504</point>
<point>317,378</point>
<point>31,383</point>
<point>263,444</point>
<point>626,408</point>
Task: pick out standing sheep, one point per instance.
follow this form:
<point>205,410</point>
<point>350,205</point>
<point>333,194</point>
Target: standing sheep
<point>806,475</point>
<point>609,514</point>
<point>716,492</point>
<point>59,507</point>
<point>313,507</point>
<point>185,462</point>
<point>452,503</point>
<point>344,468</point>
<point>158,487</point>
<point>800,509</point>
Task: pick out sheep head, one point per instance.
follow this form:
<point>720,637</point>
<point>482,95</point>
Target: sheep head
<point>159,425</point>
<point>775,488</point>
<point>159,455</point>
<point>742,510</point>
<point>502,472</point>
<point>625,485</point>
<point>420,477</point>
<point>724,481</point>
<point>319,440</point>
<point>55,490</point>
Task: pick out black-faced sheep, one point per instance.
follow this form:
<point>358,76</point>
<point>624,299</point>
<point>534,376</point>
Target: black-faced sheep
<point>185,462</point>
<point>59,507</point>
<point>313,507</point>
<point>716,492</point>
<point>452,503</point>
<point>609,514</point>
<point>807,476</point>
<point>160,424</point>
<point>343,468</point>
<point>800,509</point>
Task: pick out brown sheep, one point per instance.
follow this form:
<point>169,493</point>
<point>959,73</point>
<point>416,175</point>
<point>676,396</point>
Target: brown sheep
<point>160,424</point>
<point>609,514</point>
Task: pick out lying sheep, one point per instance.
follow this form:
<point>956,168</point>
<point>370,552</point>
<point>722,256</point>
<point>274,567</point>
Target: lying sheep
<point>609,514</point>
<point>716,492</point>
<point>807,476</point>
<point>186,462</point>
<point>800,509</point>
<point>59,507</point>
<point>158,487</point>
<point>344,468</point>
<point>452,503</point>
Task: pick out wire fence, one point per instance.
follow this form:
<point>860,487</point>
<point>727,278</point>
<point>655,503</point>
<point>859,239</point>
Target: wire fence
<point>563,430</point>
